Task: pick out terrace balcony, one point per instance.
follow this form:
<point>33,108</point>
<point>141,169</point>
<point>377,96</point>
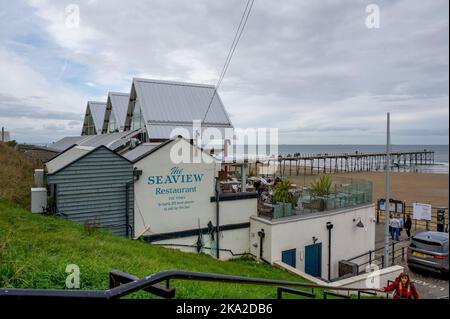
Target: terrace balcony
<point>345,193</point>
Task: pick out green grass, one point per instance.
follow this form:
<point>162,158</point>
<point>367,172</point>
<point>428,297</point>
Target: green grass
<point>35,250</point>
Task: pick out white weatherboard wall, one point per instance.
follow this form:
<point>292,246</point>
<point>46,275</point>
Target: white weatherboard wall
<point>158,214</point>
<point>347,240</point>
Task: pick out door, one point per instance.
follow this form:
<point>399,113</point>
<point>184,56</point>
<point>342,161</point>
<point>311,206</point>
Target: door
<point>313,260</point>
<point>289,257</point>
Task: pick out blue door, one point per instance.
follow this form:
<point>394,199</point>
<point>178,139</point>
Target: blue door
<point>313,260</point>
<point>288,257</point>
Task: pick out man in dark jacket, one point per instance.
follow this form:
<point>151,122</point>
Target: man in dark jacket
<point>408,224</point>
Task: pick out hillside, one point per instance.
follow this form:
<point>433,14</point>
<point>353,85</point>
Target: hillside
<point>35,250</point>
<point>16,175</point>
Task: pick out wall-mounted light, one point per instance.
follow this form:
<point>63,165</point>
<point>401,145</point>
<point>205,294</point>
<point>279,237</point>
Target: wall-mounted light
<point>360,223</point>
<point>137,173</point>
<point>315,239</point>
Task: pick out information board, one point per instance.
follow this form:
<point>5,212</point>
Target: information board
<point>421,211</point>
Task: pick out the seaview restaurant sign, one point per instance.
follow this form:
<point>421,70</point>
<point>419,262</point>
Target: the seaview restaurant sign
<point>172,190</point>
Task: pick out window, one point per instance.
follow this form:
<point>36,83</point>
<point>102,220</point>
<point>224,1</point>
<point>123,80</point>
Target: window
<point>430,246</point>
<point>112,123</point>
<point>90,127</point>
<point>137,121</point>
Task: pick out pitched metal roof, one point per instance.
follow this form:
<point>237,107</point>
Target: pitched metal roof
<point>144,150</point>
<point>66,142</point>
<point>176,103</point>
<point>67,157</point>
<point>119,105</point>
<point>71,155</point>
<point>139,151</point>
<point>112,141</point>
<point>98,110</point>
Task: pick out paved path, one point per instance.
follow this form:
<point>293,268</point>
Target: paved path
<point>429,286</point>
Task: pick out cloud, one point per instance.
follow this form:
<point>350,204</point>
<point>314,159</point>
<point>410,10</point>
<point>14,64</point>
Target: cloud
<point>12,107</point>
<point>310,68</point>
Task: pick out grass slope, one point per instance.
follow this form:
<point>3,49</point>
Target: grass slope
<point>16,175</point>
<point>35,250</point>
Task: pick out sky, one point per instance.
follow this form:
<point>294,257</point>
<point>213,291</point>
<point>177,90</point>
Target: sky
<point>322,72</point>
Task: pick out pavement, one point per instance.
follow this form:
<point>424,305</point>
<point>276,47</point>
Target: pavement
<point>428,285</point>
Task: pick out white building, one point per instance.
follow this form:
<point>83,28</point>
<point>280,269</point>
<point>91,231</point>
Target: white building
<point>175,201</point>
<point>5,137</point>
<point>303,241</point>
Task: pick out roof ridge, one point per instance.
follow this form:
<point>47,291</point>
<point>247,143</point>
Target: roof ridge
<point>98,102</point>
<point>118,93</point>
<point>169,82</point>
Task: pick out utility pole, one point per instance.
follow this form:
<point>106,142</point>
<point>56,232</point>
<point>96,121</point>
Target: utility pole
<point>387,200</point>
<point>3,134</point>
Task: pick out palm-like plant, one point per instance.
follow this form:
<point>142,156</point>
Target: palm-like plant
<point>321,186</point>
<point>281,193</point>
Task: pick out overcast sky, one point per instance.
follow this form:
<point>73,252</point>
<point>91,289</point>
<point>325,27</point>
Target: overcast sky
<point>313,69</point>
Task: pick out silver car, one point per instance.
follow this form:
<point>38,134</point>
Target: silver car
<point>429,251</point>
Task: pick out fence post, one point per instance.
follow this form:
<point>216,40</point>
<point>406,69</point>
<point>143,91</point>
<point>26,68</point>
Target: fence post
<point>403,253</point>
<point>370,258</point>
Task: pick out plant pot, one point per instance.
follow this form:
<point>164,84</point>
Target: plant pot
<point>287,209</point>
<point>277,210</point>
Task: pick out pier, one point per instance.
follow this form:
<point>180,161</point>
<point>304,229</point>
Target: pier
<point>329,163</point>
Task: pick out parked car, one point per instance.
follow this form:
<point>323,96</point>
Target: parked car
<point>429,251</point>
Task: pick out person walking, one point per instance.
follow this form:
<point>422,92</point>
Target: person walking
<point>408,225</point>
<point>402,224</point>
<point>395,224</point>
<point>403,288</point>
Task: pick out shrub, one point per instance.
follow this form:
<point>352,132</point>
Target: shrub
<point>321,186</point>
<point>282,194</point>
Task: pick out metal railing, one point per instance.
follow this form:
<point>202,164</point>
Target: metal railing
<point>123,284</point>
<point>394,252</point>
<point>344,193</point>
<point>419,224</point>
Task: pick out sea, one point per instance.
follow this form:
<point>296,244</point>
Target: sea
<point>441,153</point>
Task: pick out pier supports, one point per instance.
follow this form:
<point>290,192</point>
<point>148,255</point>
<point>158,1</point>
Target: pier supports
<point>357,162</point>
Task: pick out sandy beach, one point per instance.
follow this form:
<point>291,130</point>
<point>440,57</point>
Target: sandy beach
<point>410,187</point>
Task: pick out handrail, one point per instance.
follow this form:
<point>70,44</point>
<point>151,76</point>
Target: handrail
<point>327,293</point>
<point>280,291</point>
<point>375,250</point>
<point>147,282</point>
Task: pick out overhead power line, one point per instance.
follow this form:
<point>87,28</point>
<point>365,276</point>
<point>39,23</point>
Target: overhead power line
<point>237,37</point>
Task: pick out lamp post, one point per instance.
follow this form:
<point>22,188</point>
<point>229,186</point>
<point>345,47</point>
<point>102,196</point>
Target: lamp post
<point>329,227</point>
<point>387,199</point>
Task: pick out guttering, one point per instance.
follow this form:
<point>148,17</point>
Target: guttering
<point>217,217</point>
